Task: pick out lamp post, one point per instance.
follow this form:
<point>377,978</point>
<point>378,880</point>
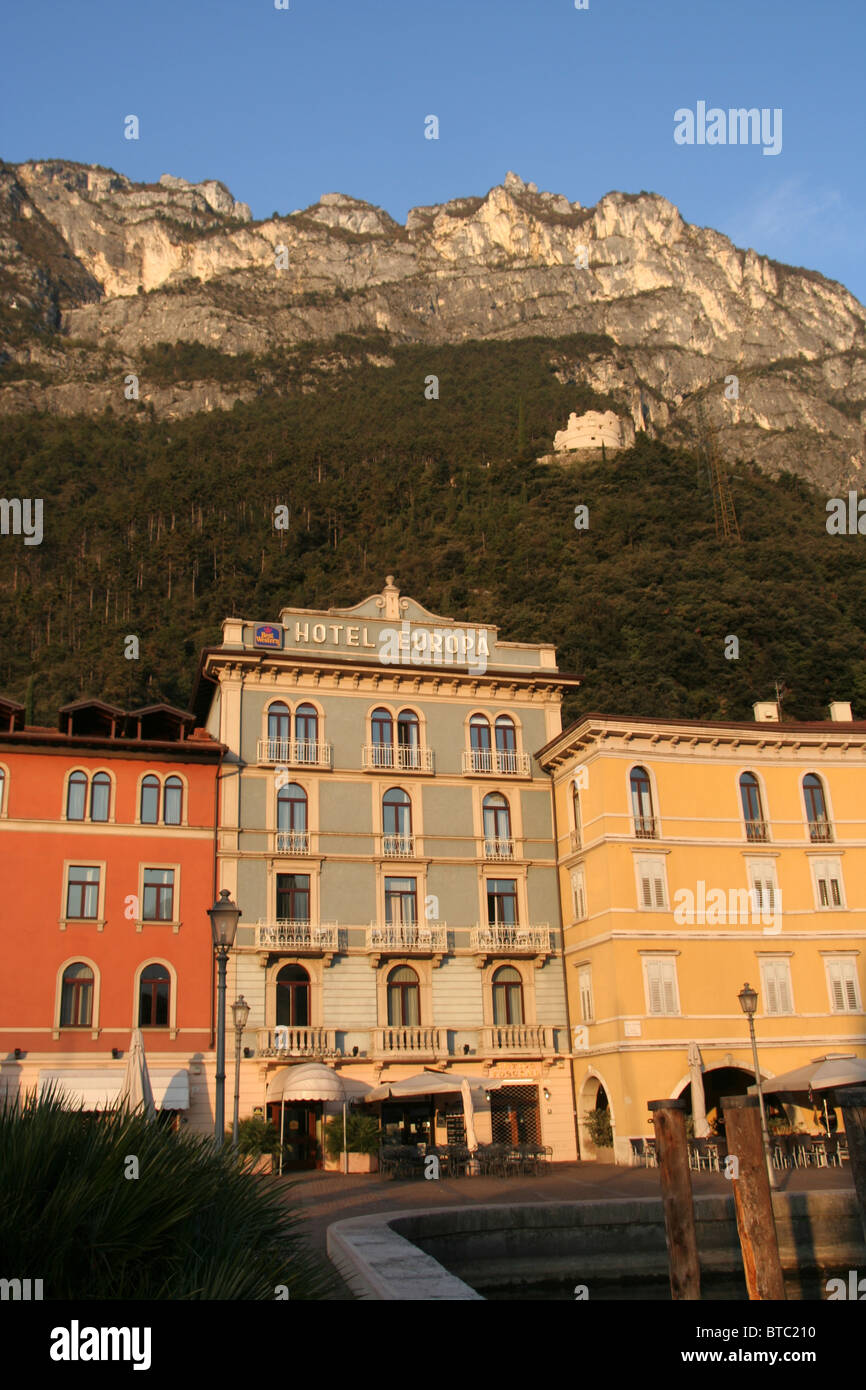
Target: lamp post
<point>240,1013</point>
<point>224,917</point>
<point>748,998</point>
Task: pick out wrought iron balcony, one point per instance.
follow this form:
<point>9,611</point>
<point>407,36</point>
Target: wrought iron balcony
<point>398,846</point>
<point>646,827</point>
<point>296,1042</point>
<point>293,842</point>
<point>498,848</point>
<point>292,752</point>
<point>517,1040</point>
<point>497,762</point>
<point>513,940</point>
<point>412,1043</point>
<point>820,831</point>
<point>396,757</point>
<point>408,938</point>
<point>756,830</point>
<point>288,935</point>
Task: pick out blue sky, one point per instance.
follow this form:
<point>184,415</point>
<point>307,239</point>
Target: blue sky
<point>331,95</point>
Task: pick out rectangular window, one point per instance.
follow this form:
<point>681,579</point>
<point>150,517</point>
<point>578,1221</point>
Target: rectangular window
<point>661,986</point>
<point>578,891</point>
<point>762,883</point>
<point>651,886</point>
<point>827,876</point>
<point>842,983</point>
<point>584,985</point>
<point>293,897</point>
<point>158,895</point>
<point>776,975</point>
<point>82,892</point>
<point>502,902</point>
<point>401,902</point>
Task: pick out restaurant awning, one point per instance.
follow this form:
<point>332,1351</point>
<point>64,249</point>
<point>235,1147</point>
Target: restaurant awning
<point>314,1081</point>
<point>92,1089</point>
<point>821,1074</point>
<point>428,1083</point>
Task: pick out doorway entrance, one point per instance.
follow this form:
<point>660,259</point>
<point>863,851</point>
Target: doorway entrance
<point>514,1115</point>
<point>302,1133</point>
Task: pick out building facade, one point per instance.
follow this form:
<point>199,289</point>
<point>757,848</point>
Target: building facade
<point>693,857</point>
<point>107,858</point>
<point>386,832</point>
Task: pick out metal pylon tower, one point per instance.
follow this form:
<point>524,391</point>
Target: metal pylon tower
<point>727,527</point>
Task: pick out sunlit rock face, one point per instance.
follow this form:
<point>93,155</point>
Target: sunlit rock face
<point>778,354</point>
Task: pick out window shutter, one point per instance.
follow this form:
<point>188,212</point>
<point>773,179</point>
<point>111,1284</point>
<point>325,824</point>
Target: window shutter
<point>823,896</point>
<point>836,892</point>
<point>655,993</point>
<point>646,890</point>
<point>850,986</point>
<point>660,889</point>
<point>771,991</point>
<point>670,994</point>
<point>784,983</point>
<point>836,985</point>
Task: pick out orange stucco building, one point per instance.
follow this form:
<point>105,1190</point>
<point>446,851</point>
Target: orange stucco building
<point>107,857</point>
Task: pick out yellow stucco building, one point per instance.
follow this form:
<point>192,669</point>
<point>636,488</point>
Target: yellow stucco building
<point>695,856</point>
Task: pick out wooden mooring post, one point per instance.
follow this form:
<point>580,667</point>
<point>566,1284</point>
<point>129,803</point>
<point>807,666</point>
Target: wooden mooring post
<point>756,1224</point>
<point>852,1103</point>
<point>669,1122</point>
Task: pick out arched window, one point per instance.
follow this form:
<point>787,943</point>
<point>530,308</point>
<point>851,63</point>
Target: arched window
<point>292,819</point>
<point>816,808</point>
<point>578,823</point>
<point>507,996</point>
<point>506,744</point>
<point>76,796</point>
<point>382,731</point>
<point>76,996</point>
<point>408,739</point>
<point>306,733</point>
<point>172,801</point>
<point>479,743</point>
<point>153,996</point>
<point>100,793</point>
<point>753,814</point>
<point>279,724</point>
<point>642,804</point>
<point>397,822</point>
<point>150,800</point>
<point>497,827</point>
<point>2,787</point>
<point>293,997</point>
<point>404,1010</point>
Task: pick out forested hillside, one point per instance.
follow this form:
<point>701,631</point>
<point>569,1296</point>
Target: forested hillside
<point>161,529</point>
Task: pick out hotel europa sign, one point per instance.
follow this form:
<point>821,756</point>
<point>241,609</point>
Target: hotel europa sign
<point>402,644</point>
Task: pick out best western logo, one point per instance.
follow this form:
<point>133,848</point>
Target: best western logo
<point>266,635</point>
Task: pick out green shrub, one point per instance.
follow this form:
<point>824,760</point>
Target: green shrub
<point>192,1225</point>
<point>256,1136</point>
<point>363,1134</point>
<point>600,1128</point>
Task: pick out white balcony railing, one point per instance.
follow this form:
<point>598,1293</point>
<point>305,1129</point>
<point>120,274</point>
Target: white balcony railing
<point>756,830</point>
<point>409,1042</point>
<point>292,752</point>
<point>286,935</point>
<point>496,761</point>
<point>407,937</point>
<point>820,830</point>
<point>293,842</point>
<point>516,1039</point>
<point>646,828</point>
<point>398,846</point>
<point>511,940</point>
<point>397,757</point>
<point>296,1042</point>
<point>498,848</point>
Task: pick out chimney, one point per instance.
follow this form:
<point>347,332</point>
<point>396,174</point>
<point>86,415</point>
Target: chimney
<point>766,711</point>
<point>840,711</point>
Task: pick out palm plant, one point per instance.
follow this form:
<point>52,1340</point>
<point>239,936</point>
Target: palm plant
<point>181,1222</point>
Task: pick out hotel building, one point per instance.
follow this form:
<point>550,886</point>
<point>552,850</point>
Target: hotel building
<point>386,832</point>
<point>695,856</point>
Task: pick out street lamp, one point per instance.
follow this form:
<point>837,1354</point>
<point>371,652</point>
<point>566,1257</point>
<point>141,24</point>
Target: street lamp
<point>224,917</point>
<point>240,1013</point>
<point>748,998</point>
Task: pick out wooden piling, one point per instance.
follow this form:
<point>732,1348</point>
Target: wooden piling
<point>669,1122</point>
<point>852,1103</point>
<point>756,1225</point>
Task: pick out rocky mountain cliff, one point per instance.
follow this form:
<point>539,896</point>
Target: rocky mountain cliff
<point>95,270</point>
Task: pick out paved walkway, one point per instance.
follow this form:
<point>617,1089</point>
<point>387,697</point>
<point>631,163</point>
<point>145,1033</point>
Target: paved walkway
<point>324,1198</point>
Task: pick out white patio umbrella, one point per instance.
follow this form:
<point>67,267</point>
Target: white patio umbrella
<point>699,1103</point>
<point>821,1074</point>
<point>468,1114</point>
<point>314,1081</point>
<point>426,1083</point>
<point>136,1091</point>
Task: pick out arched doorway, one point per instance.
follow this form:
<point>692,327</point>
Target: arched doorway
<point>727,1081</point>
<point>595,1121</point>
